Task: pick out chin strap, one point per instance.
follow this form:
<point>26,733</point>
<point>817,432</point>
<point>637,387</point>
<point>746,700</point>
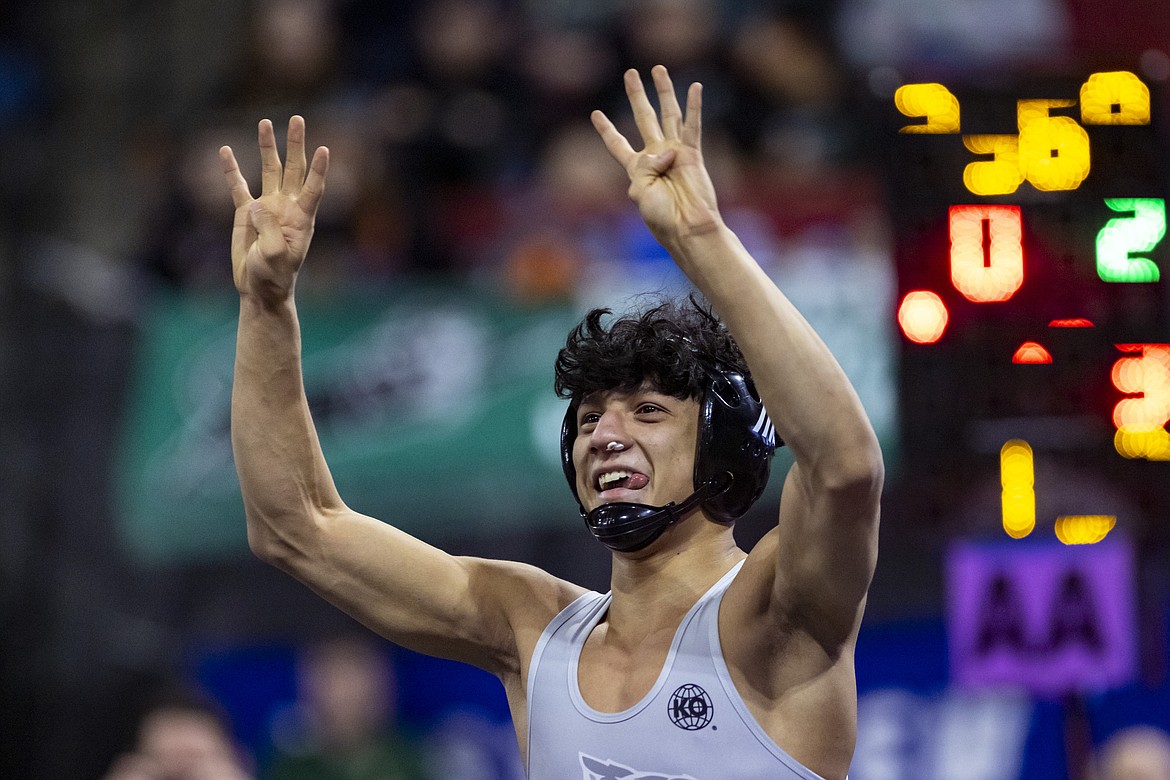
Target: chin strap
<point>628,527</point>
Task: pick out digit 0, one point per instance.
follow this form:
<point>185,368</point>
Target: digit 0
<point>987,253</point>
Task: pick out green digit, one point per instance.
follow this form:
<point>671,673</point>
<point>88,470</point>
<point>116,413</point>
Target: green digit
<point>1123,236</point>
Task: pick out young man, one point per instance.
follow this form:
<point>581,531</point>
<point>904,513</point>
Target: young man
<point>703,662</point>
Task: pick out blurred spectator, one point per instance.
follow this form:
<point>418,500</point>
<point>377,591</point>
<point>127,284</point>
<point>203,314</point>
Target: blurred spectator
<point>568,71</point>
<point>293,53</point>
<point>1135,753</point>
<point>343,727</point>
<point>454,129</point>
<point>181,736</point>
<point>578,198</point>
<point>791,109</point>
<point>687,36</point>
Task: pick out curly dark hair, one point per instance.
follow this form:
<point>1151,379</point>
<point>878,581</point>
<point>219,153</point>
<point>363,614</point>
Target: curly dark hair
<point>667,345</point>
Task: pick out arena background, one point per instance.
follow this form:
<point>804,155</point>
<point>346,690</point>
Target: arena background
<point>471,216</point>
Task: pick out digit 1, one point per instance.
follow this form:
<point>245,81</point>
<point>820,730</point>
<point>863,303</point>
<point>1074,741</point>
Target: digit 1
<point>1018,497</point>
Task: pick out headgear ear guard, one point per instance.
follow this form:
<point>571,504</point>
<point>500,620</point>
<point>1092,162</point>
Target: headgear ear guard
<point>733,454</point>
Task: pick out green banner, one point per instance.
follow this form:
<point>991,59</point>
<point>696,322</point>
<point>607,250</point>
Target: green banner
<point>434,406</point>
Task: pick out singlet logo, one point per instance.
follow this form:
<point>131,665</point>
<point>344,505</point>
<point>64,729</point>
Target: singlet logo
<point>690,707</point>
<point>600,769</point>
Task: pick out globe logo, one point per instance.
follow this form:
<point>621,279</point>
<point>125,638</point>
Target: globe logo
<point>690,707</point>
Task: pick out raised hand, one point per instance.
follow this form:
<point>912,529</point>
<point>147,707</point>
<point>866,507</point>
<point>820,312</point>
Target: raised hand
<point>668,180</point>
<point>271,234</point>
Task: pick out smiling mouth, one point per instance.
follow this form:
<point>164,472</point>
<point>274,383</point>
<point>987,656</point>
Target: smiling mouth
<point>621,479</point>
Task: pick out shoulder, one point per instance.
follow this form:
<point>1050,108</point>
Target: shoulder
<point>525,596</point>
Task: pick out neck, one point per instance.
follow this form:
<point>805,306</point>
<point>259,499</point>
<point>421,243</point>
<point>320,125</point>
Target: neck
<point>654,587</point>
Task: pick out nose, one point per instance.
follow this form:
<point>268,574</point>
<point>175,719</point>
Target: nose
<point>609,434</point>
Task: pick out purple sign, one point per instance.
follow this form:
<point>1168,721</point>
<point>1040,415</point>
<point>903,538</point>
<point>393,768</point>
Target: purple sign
<point>1048,617</point>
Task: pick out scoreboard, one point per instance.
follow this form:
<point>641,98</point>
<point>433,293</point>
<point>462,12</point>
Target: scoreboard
<point>1029,220</point>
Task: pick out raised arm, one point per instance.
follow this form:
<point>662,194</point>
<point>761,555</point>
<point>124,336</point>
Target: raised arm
<point>823,554</point>
<point>414,594</point>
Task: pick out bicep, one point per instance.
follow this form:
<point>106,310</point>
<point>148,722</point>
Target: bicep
<point>823,553</point>
<point>418,596</point>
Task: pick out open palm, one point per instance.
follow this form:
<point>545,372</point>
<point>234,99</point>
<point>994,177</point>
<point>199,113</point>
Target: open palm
<point>271,234</point>
<point>668,180</point>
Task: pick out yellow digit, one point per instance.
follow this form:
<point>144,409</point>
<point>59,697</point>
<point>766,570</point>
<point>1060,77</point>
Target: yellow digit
<point>998,176</point>
<point>1115,98</point>
<point>1054,150</point>
<point>934,102</point>
<point>1018,498</point>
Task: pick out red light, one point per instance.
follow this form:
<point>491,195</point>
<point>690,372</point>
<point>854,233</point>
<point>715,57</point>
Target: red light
<point>922,317</point>
<point>1073,322</point>
<point>1030,352</point>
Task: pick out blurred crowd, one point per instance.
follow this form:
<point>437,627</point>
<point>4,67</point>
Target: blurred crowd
<point>339,720</point>
<point>459,129</point>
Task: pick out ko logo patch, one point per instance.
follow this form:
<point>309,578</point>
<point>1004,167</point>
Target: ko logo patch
<point>690,707</point>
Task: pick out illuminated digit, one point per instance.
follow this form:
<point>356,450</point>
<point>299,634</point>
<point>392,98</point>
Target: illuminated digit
<point>1054,150</point>
<point>1123,236</point>
<point>987,254</point>
<point>998,176</point>
<point>1017,476</point>
<point>1115,98</point>
<point>934,102</point>
<point>1141,421</point>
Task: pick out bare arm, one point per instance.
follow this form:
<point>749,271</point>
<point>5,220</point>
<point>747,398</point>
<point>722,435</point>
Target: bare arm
<point>414,594</point>
<point>825,549</point>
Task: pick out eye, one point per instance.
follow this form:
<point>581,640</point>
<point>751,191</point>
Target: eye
<point>649,408</point>
<point>589,418</point>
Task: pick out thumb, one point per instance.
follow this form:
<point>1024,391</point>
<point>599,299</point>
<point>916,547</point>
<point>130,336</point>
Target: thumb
<point>269,237</point>
<point>660,163</point>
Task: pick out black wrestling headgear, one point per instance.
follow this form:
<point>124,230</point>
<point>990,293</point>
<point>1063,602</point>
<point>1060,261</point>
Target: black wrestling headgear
<point>732,458</point>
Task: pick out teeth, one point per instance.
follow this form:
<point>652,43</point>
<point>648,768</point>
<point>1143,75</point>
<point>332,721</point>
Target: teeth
<point>610,477</point>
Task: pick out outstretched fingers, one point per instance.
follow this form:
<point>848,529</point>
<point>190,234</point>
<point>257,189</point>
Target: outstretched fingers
<point>692,129</point>
<point>644,115</point>
<point>235,180</point>
<point>294,158</point>
<point>672,119</point>
<point>271,171</point>
<point>615,142</point>
<point>310,196</point>
<point>242,230</point>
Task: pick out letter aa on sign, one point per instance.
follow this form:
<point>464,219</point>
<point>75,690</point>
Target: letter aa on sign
<point>1048,617</point>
